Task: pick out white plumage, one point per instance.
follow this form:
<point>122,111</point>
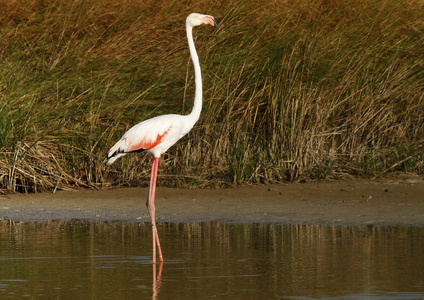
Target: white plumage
<point>155,135</point>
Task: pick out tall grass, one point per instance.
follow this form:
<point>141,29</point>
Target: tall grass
<point>292,90</point>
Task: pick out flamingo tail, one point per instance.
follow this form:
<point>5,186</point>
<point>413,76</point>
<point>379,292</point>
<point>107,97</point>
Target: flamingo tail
<point>116,151</point>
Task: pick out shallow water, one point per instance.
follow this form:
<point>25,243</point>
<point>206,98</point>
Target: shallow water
<point>112,260</point>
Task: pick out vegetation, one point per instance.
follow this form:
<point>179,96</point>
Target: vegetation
<point>292,90</point>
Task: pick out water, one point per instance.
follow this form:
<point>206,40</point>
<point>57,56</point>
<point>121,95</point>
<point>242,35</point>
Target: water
<point>104,260</point>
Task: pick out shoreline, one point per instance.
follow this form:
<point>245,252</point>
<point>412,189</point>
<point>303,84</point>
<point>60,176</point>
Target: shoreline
<point>398,201</point>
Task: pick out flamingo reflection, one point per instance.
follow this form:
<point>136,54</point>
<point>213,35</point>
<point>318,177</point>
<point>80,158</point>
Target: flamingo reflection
<point>157,281</point>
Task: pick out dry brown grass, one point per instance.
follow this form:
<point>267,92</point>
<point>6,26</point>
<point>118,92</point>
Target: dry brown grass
<point>293,90</point>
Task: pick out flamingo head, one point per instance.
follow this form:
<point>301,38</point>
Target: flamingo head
<point>196,19</point>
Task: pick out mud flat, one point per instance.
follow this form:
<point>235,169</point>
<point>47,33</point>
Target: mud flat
<point>390,201</point>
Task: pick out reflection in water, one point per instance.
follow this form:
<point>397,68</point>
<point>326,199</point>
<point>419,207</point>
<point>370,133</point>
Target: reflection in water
<point>112,260</point>
<point>157,280</point>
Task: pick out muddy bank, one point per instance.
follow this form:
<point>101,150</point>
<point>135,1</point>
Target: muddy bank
<point>398,201</point>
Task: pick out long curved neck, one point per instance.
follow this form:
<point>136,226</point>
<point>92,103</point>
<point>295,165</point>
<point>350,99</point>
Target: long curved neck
<point>197,107</point>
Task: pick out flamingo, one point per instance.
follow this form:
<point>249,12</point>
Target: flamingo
<point>158,134</point>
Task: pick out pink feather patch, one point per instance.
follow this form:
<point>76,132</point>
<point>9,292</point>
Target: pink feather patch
<point>149,144</point>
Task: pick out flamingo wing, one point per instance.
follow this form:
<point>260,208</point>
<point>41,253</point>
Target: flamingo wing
<point>155,135</point>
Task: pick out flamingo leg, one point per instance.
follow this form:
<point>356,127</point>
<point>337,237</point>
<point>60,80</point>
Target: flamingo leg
<point>152,209</point>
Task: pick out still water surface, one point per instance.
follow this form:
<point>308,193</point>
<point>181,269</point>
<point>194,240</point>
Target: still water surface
<point>112,260</point>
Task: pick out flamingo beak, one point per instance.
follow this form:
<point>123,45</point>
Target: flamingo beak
<point>215,24</point>
<point>211,21</point>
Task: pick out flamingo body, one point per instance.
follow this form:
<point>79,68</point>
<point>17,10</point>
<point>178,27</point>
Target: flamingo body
<point>155,135</point>
<point>158,134</point>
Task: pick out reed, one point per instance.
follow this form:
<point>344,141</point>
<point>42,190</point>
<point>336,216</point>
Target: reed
<point>292,90</point>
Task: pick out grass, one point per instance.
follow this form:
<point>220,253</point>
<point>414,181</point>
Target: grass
<point>292,90</point>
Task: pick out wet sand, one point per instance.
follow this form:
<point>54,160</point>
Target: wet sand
<point>395,201</point>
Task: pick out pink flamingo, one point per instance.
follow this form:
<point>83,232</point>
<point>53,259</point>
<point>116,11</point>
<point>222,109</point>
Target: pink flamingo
<point>158,134</point>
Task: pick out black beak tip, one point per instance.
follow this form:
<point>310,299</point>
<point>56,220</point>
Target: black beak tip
<point>215,24</point>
